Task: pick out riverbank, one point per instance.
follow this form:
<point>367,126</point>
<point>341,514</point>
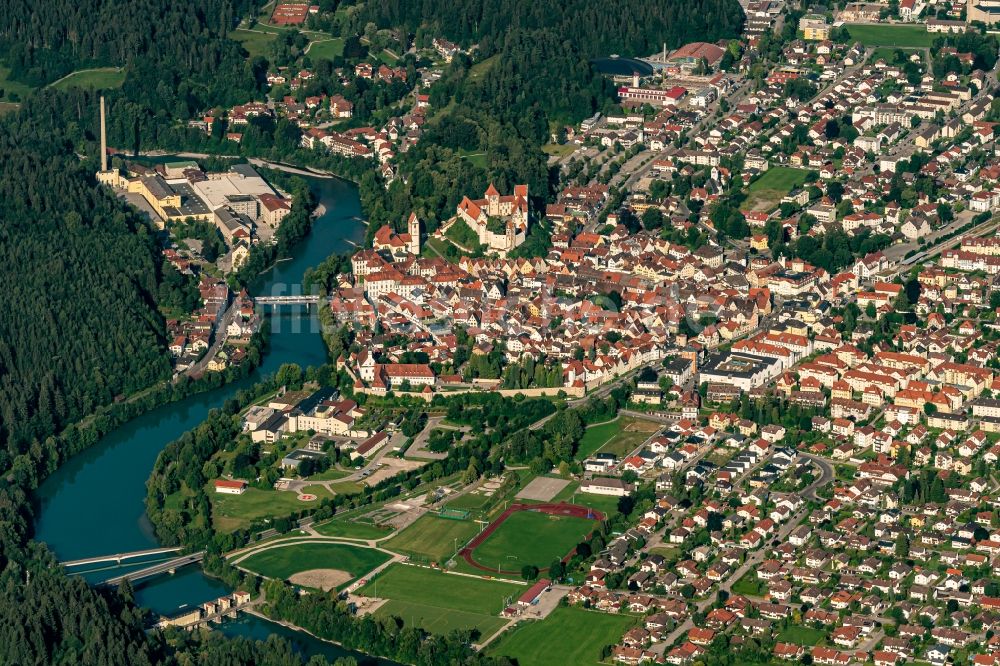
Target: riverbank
<point>257,626</point>
<point>80,514</point>
<point>294,627</point>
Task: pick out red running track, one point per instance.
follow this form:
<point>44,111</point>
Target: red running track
<point>558,509</point>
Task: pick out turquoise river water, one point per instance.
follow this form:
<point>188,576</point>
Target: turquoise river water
<point>94,504</point>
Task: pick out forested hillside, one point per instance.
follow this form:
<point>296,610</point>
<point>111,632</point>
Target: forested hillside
<point>543,48</point>
<point>79,273</point>
<point>42,41</point>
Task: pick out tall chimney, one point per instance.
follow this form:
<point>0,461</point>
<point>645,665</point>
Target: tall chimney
<point>635,80</point>
<point>104,140</point>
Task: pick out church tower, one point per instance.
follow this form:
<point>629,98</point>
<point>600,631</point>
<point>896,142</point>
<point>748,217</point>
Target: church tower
<point>413,227</point>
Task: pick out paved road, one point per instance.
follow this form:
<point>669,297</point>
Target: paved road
<point>219,338</point>
<point>757,556</point>
<point>418,449</point>
<point>827,475</point>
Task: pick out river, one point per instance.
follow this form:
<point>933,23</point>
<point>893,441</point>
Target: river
<point>94,504</point>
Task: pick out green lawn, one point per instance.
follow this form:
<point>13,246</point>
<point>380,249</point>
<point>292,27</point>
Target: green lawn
<point>801,635</point>
<point>231,512</point>
<point>571,636</point>
<point>595,437</point>
<point>890,35</point>
<point>888,53</point>
<point>560,150</point>
<point>387,58</point>
<point>768,190</point>
<point>352,530</point>
<point>749,585</point>
<point>470,502</point>
<point>346,488</point>
<point>332,474</point>
<point>460,232</point>
<point>441,602</point>
<point>95,79</point>
<point>432,539</point>
<point>480,69</point>
<point>527,537</point>
<point>603,503</point>
<point>288,560</point>
<point>256,42</point>
<point>12,87</point>
<point>326,49</point>
<point>619,437</point>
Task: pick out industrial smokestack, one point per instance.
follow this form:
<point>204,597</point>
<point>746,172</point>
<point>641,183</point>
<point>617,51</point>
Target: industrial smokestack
<point>104,140</point>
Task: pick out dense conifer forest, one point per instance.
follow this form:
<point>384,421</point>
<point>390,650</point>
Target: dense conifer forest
<point>80,272</point>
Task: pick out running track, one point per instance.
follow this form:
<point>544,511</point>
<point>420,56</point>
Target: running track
<point>559,509</point>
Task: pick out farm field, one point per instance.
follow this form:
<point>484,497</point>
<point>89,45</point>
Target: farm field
<point>569,636</point>
<point>527,537</point>
<point>96,79</point>
<point>768,190</point>
<point>441,602</point>
<point>620,436</point>
<point>342,562</point>
<point>890,35</point>
<point>432,539</point>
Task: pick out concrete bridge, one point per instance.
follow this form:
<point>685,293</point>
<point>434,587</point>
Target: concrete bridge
<point>119,557</point>
<point>169,566</point>
<point>287,300</point>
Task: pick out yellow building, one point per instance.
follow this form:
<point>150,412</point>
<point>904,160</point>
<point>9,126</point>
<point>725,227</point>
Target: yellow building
<point>172,202</point>
<point>814,28</point>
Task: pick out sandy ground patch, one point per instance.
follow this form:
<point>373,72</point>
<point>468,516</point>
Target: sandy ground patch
<point>642,426</point>
<point>542,488</point>
<point>321,579</point>
<point>391,467</point>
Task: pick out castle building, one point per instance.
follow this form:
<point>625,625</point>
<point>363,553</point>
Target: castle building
<point>500,222</point>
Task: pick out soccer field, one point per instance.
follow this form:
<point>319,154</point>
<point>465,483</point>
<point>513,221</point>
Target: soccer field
<point>432,539</point>
<point>570,636</point>
<point>440,602</point>
<point>527,537</point>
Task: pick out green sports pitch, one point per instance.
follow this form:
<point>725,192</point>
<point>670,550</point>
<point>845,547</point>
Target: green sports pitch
<point>568,637</point>
<point>527,537</point>
<point>285,561</point>
<point>440,602</point>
